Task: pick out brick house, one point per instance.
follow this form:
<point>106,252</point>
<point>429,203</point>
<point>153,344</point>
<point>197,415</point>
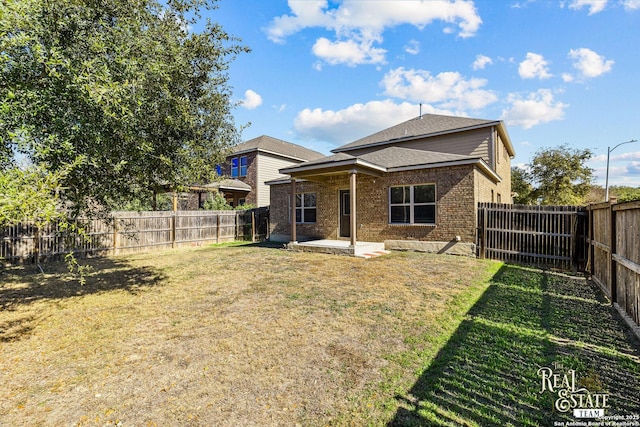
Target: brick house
<point>415,185</point>
<point>254,162</point>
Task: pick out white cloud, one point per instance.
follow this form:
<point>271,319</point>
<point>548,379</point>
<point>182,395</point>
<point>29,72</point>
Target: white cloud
<point>594,6</point>
<point>535,66</point>
<point>481,62</point>
<point>589,64</point>
<point>448,90</point>
<point>359,24</point>
<point>304,14</point>
<point>538,107</point>
<point>356,121</point>
<point>349,52</point>
<point>567,78</point>
<point>634,168</point>
<point>251,100</point>
<point>413,47</point>
<point>615,157</point>
<point>631,4</point>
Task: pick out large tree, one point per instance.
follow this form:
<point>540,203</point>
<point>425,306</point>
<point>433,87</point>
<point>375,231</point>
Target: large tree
<point>520,186</point>
<point>559,175</point>
<point>122,96</point>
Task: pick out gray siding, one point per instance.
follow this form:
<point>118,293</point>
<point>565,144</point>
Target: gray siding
<point>472,143</point>
<point>268,166</point>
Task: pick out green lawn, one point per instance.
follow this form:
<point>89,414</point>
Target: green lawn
<point>487,374</point>
<point>255,335</point>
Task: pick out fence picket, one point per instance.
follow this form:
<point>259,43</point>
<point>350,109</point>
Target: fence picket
<point>536,235</point>
<point>127,232</point>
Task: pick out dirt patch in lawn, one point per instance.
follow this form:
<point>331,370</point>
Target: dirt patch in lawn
<point>224,336</point>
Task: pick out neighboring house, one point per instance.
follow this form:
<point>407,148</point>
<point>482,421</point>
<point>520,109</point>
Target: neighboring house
<point>410,185</point>
<point>257,161</point>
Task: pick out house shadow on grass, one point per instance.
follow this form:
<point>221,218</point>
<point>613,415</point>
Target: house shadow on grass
<point>21,285</point>
<point>487,373</point>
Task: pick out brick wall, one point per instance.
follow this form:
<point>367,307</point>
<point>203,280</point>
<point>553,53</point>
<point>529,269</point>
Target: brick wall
<point>250,179</point>
<point>456,205</point>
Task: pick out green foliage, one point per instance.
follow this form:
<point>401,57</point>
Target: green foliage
<point>216,202</point>
<point>124,90</point>
<point>625,194</point>
<point>521,188</point>
<point>558,176</point>
<point>246,207</point>
<point>30,195</point>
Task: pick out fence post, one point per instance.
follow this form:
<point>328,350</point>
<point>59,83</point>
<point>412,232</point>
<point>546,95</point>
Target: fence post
<point>591,247</point>
<point>217,227</point>
<point>573,223</point>
<point>173,228</point>
<point>612,250</point>
<point>483,252</point>
<point>253,226</point>
<point>115,235</point>
<point>36,245</point>
<point>235,226</point>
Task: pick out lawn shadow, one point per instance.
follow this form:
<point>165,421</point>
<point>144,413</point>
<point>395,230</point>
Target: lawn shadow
<point>487,373</point>
<point>22,285</point>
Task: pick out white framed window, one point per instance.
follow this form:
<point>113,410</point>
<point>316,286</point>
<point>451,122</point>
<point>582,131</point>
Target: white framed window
<point>305,208</point>
<point>412,204</point>
<point>243,166</point>
<point>234,167</point>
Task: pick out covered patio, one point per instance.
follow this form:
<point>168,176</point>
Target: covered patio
<point>340,247</point>
<point>320,170</point>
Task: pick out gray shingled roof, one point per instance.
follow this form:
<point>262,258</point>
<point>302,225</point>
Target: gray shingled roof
<point>277,146</point>
<point>426,125</point>
<point>395,157</point>
<point>387,158</point>
<point>334,158</point>
<point>227,184</point>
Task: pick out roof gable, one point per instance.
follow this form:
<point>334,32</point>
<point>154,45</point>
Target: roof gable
<point>277,146</point>
<point>427,125</point>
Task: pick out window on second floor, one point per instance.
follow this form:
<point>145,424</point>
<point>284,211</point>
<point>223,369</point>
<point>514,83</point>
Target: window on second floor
<point>243,166</point>
<point>239,166</point>
<point>234,167</point>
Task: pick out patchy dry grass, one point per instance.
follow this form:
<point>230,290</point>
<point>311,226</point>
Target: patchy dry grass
<point>226,336</point>
<point>245,335</point>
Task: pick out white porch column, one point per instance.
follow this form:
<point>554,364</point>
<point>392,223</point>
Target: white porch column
<point>352,207</point>
<point>294,238</point>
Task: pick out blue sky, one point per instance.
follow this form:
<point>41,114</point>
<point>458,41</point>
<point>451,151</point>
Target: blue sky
<point>324,73</point>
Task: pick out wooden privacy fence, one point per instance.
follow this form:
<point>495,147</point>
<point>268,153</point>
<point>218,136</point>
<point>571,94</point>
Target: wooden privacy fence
<point>614,253</point>
<point>545,236</point>
<point>127,232</point>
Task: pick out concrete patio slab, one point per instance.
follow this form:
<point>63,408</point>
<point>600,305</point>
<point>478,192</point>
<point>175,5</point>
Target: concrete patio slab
<point>340,247</point>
